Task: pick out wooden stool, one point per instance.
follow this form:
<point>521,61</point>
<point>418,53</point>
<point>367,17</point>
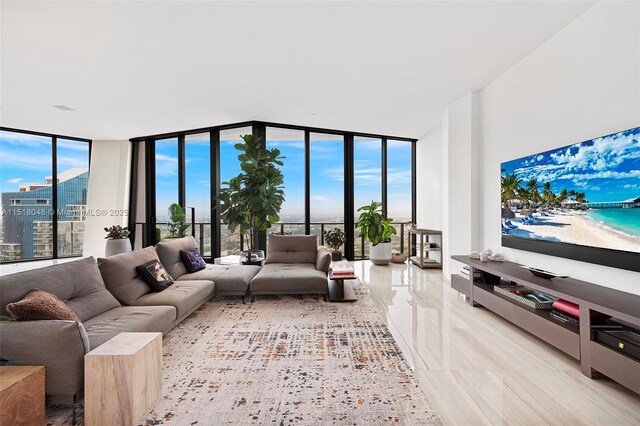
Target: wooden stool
<point>122,379</point>
<point>21,395</point>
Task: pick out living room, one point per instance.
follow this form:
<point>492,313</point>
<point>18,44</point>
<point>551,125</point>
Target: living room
<point>134,114</point>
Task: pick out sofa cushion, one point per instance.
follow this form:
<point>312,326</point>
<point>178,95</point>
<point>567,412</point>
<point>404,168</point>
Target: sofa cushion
<point>40,305</point>
<point>323,260</point>
<point>154,274</point>
<point>128,319</point>
<point>78,283</point>
<point>120,275</point>
<point>229,279</point>
<point>192,260</point>
<point>292,249</point>
<point>185,296</point>
<point>169,254</point>
<point>289,278</point>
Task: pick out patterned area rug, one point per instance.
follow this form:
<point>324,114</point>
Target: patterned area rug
<point>287,360</point>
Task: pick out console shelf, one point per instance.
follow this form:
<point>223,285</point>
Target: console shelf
<point>575,341</point>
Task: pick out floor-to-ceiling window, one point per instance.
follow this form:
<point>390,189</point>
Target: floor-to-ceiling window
<point>166,183</point>
<point>399,191</point>
<point>291,145</point>
<point>319,190</point>
<point>367,182</point>
<point>43,185</point>
<point>326,183</point>
<point>230,243</point>
<point>197,152</point>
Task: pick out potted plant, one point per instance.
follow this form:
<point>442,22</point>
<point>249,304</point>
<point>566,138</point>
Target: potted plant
<point>376,228</point>
<point>117,240</point>
<point>252,200</point>
<point>176,224</point>
<point>334,239</point>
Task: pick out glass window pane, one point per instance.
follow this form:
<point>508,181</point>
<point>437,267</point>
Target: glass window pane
<point>198,187</point>
<point>230,167</point>
<point>367,182</point>
<point>26,168</point>
<point>73,182</point>
<point>291,145</point>
<point>399,189</point>
<point>166,182</point>
<point>326,169</point>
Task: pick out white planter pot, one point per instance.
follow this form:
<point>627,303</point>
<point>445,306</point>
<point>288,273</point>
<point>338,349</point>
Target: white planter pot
<point>118,246</point>
<point>380,254</point>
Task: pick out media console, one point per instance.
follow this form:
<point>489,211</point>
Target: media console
<point>577,342</point>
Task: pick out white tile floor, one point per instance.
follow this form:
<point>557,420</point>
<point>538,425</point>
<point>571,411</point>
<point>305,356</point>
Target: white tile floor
<point>478,368</point>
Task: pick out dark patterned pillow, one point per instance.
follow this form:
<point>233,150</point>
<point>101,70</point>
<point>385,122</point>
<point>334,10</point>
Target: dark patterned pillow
<point>192,260</point>
<point>154,274</point>
<point>40,305</point>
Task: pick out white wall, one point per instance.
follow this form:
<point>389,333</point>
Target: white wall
<point>429,179</point>
<point>108,194</point>
<point>582,83</point>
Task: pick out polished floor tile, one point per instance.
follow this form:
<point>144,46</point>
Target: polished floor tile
<point>478,368</point>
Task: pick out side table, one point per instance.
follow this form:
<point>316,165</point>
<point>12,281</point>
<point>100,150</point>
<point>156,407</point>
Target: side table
<point>339,290</point>
<point>122,378</point>
<point>21,395</point>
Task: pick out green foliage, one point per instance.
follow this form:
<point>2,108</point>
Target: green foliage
<point>6,318</point>
<point>176,224</point>
<point>511,189</point>
<point>374,225</point>
<point>334,238</point>
<point>116,232</point>
<point>252,200</point>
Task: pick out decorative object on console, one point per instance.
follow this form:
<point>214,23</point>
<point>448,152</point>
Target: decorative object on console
<point>154,274</point>
<point>526,296</point>
<point>192,260</point>
<point>474,255</point>
<point>542,273</point>
<point>376,228</point>
<point>485,255</point>
<point>117,240</point>
<point>41,305</point>
<point>334,239</point>
<point>496,257</point>
<point>252,200</point>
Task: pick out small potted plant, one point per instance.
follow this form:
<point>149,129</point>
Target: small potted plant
<point>117,240</point>
<point>334,239</point>
<point>376,228</point>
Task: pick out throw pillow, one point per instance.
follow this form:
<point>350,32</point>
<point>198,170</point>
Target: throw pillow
<point>192,260</point>
<point>40,305</point>
<point>154,274</point>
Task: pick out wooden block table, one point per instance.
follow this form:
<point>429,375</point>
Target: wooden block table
<point>122,378</point>
<point>21,395</point>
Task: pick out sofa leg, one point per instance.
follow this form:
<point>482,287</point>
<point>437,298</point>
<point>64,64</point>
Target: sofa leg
<point>324,296</point>
<point>253,299</point>
<point>243,302</point>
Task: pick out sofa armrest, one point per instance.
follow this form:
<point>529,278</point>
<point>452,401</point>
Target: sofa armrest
<point>57,345</point>
<point>323,260</point>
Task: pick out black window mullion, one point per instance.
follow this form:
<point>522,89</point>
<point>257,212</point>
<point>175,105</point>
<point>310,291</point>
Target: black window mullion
<point>54,195</point>
<point>133,192</point>
<point>414,192</point>
<point>384,175</point>
<point>150,174</point>
<point>182,193</point>
<point>307,184</point>
<point>348,196</point>
<point>216,227</point>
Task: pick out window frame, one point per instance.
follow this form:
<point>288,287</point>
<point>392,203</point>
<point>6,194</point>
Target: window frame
<point>54,188</point>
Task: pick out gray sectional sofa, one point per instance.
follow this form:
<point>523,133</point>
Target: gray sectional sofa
<point>110,298</point>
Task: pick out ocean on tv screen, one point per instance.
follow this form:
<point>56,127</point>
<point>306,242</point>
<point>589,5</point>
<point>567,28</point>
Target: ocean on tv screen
<point>586,194</point>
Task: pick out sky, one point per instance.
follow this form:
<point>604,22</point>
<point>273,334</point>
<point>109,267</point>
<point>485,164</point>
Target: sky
<point>605,168</point>
<point>27,158</point>
<point>326,172</point>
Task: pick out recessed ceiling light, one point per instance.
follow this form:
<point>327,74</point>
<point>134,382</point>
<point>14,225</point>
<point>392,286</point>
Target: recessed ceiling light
<point>63,107</point>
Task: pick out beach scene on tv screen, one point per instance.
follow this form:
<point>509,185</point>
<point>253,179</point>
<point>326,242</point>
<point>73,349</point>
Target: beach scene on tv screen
<point>586,194</point>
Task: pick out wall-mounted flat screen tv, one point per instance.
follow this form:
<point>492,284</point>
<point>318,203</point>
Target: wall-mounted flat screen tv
<point>580,201</point>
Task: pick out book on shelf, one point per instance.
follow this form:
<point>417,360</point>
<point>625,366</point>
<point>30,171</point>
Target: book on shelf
<point>465,272</point>
<point>342,267</point>
<point>564,317</point>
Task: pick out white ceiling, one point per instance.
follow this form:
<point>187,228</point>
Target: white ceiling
<point>137,68</point>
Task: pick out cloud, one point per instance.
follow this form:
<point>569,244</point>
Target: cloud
<point>322,198</point>
<point>630,186</point>
<point>73,145</point>
<point>15,181</point>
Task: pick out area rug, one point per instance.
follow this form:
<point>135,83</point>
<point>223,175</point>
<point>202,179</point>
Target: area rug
<point>287,360</point>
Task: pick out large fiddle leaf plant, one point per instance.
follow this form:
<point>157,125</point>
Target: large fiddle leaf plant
<point>252,200</point>
<point>374,224</point>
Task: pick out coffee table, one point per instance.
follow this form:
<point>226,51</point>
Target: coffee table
<point>339,290</point>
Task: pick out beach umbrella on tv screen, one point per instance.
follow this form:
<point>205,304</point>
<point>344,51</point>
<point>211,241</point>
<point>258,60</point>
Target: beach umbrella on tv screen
<point>508,214</point>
